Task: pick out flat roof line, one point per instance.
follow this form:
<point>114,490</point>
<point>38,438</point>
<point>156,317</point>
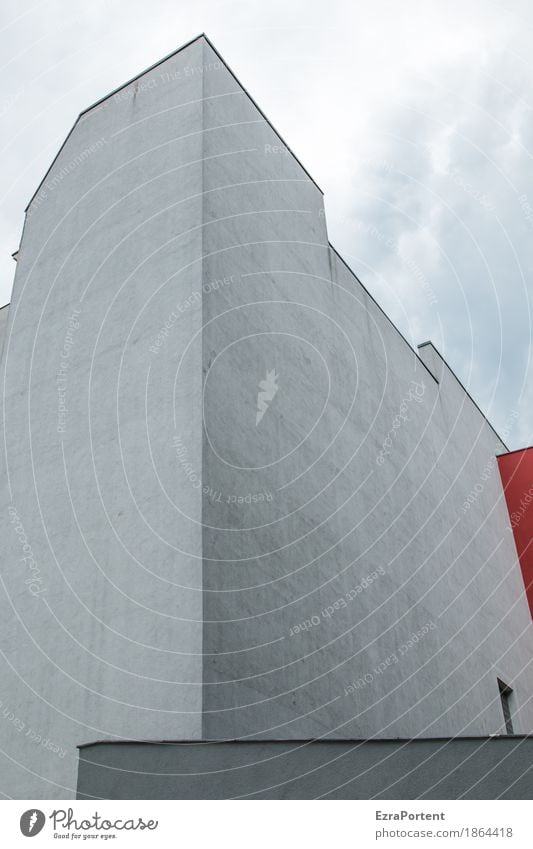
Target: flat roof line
<point>301,740</point>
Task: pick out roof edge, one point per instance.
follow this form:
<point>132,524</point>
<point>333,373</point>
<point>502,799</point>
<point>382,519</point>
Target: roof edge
<point>101,100</point>
<point>465,390</point>
<point>306,740</point>
<point>142,73</point>
<point>146,71</point>
<point>380,308</point>
<point>269,122</point>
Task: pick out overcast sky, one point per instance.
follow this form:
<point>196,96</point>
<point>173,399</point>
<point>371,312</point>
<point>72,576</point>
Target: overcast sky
<point>414,118</point>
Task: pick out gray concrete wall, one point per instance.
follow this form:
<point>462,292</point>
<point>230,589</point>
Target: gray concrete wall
<point>175,550</point>
<point>108,639</point>
<point>471,768</point>
<point>341,507</point>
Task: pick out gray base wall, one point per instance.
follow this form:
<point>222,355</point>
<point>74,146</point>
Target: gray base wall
<point>468,768</point>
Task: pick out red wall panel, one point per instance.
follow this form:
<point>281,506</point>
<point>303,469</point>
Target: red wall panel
<point>516,470</point>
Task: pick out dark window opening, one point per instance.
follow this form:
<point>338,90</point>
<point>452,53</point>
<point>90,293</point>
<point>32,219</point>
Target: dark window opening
<point>505,697</point>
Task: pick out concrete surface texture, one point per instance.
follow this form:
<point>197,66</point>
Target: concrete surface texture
<point>235,500</point>
<point>465,768</point>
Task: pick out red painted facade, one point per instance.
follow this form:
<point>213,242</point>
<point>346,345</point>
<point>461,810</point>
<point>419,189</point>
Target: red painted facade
<point>516,470</point>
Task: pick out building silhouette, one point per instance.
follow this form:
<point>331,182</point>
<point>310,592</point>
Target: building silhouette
<point>245,522</point>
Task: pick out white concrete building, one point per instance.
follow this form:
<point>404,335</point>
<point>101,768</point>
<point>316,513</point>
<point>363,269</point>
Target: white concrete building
<point>237,504</point>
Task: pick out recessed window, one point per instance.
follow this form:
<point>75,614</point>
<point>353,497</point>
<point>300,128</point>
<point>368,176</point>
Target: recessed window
<point>505,697</point>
